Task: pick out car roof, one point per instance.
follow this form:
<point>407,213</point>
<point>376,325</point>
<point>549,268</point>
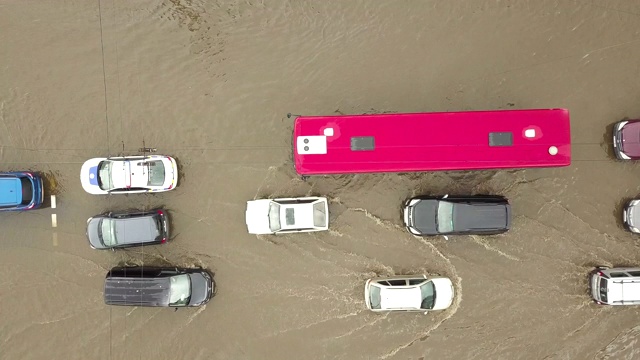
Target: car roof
<point>622,290</point>
<point>296,216</point>
<point>136,229</point>
<point>10,191</point>
<point>400,297</point>
<point>137,291</point>
<point>479,216</point>
<point>129,174</point>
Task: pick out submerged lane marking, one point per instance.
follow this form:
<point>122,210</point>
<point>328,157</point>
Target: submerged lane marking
<point>54,221</point>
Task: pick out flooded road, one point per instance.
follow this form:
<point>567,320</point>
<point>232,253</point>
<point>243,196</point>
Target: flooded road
<point>211,82</point>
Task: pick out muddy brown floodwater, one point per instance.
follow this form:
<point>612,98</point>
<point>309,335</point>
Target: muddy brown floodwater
<point>211,82</point>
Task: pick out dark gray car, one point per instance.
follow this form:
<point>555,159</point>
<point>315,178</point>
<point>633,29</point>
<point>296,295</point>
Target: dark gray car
<point>126,229</point>
<point>163,287</point>
<point>448,215</point>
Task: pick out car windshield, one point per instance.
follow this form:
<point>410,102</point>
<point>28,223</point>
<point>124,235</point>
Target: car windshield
<point>180,290</point>
<point>374,297</point>
<point>428,292</point>
<point>104,175</point>
<point>274,216</point>
<point>444,218</point>
<point>27,191</point>
<point>156,173</point>
<point>603,289</point>
<point>319,215</point>
<point>107,232</point>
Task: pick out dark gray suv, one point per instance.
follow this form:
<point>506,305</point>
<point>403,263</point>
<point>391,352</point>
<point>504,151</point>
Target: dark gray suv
<point>159,287</point>
<point>126,229</point>
<point>457,215</point>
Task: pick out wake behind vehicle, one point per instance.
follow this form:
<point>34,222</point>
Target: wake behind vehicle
<point>127,229</point>
<point>158,287</point>
<point>287,215</point>
<point>626,140</point>
<point>457,215</point>
<point>129,174</point>
<point>408,293</point>
<point>20,191</point>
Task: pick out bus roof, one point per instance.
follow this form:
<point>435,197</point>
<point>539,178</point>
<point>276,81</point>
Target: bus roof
<point>468,140</point>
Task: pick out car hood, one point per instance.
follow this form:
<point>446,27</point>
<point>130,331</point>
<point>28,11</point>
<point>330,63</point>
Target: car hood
<point>423,216</point>
<point>444,293</point>
<point>201,289</point>
<point>257,216</point>
<point>89,176</point>
<point>92,233</point>
<point>171,172</point>
<point>631,139</point>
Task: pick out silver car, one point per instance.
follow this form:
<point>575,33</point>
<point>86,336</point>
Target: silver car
<point>615,286</point>
<point>127,229</point>
<point>408,293</point>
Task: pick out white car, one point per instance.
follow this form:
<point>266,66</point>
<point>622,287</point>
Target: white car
<point>631,216</point>
<point>408,293</point>
<point>129,174</point>
<point>277,216</point>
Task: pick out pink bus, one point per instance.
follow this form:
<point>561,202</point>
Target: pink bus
<point>469,140</point>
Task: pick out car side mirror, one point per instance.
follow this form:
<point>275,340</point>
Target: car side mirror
<point>446,237</point>
<point>175,309</point>
<point>446,196</point>
<point>426,312</point>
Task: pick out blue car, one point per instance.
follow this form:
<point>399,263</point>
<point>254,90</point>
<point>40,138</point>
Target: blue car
<point>20,191</point>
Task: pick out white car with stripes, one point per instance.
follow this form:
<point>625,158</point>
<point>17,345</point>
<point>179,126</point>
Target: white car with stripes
<point>129,174</point>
